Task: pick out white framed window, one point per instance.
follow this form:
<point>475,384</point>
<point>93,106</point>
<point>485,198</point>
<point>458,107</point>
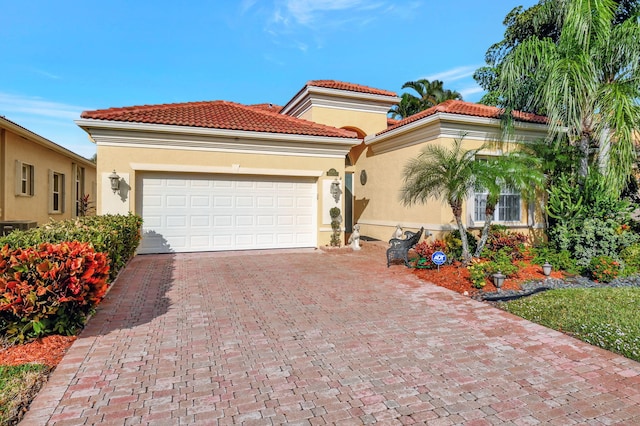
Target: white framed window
<point>25,174</point>
<point>56,192</point>
<point>508,209</point>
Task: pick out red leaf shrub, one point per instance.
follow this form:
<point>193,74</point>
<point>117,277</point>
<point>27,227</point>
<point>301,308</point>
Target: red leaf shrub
<point>499,238</point>
<point>51,288</point>
<point>426,249</point>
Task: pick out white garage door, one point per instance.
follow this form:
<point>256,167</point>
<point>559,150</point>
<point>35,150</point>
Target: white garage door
<point>192,212</point>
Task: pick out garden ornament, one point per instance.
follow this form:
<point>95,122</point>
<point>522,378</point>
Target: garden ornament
<point>354,239</point>
<point>335,190</point>
<point>398,232</point>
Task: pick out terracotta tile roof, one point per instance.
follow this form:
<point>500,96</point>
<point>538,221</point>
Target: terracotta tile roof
<point>391,122</point>
<point>467,108</point>
<point>267,107</point>
<point>218,115</point>
<point>333,84</point>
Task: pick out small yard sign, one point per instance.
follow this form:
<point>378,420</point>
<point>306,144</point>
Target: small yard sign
<point>439,258</point>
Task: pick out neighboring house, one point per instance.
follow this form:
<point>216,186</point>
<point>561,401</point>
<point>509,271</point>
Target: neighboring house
<point>218,175</point>
<point>40,179</point>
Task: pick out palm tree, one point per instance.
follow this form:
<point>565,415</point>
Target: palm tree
<point>442,173</point>
<point>407,106</point>
<point>429,94</point>
<point>516,170</point>
<point>589,82</point>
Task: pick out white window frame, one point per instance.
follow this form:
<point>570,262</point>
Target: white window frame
<point>477,212</point>
<point>56,193</point>
<point>498,216</point>
<point>25,179</point>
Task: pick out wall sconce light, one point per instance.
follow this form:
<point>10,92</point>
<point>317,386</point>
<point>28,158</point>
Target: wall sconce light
<point>115,181</point>
<point>335,190</point>
<point>498,280</point>
<point>546,269</point>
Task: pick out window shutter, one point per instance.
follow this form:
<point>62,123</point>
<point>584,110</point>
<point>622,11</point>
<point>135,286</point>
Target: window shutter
<point>50,191</point>
<point>74,190</point>
<point>32,180</point>
<point>18,177</point>
<point>63,191</point>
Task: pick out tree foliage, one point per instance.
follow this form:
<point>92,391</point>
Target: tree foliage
<point>429,93</point>
<point>587,82</point>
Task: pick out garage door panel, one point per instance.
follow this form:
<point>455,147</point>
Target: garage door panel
<point>222,221</point>
<point>245,221</point>
<point>177,222</point>
<point>200,221</point>
<point>187,212</point>
<point>245,202</point>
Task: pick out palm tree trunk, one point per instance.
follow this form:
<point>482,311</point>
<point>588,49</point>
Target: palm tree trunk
<point>583,147</point>
<point>457,212</point>
<point>488,218</point>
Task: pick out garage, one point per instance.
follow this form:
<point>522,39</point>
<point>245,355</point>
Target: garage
<point>187,212</point>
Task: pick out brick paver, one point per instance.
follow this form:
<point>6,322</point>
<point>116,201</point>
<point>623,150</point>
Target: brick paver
<point>312,338</point>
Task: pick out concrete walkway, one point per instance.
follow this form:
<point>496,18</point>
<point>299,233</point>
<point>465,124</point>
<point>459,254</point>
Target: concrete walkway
<point>306,337</point>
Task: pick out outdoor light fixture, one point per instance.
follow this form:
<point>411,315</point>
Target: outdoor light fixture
<point>546,269</point>
<point>115,181</point>
<point>498,280</point>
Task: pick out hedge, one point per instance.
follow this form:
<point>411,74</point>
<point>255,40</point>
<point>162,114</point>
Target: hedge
<point>116,235</point>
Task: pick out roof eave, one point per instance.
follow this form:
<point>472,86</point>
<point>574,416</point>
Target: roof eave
<point>40,140</point>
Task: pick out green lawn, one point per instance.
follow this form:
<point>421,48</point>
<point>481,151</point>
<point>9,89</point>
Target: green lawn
<point>18,386</point>
<point>604,317</point>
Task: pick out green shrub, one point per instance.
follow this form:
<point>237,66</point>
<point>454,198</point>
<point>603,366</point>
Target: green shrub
<point>604,269</point>
<point>596,237</point>
<point>116,235</point>
<point>478,274</point>
<point>49,289</point>
<point>631,260</point>
<point>480,271</point>
<point>454,244</point>
<point>560,260</point>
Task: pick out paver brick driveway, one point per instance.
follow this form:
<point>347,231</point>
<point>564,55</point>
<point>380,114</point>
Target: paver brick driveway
<point>306,337</point>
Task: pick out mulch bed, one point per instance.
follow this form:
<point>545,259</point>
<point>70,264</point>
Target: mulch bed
<point>456,277</point>
<point>46,350</point>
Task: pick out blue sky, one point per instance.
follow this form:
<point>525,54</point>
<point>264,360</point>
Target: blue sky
<point>60,58</point>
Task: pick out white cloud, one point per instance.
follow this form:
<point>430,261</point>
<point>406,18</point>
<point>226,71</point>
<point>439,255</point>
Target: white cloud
<point>39,107</point>
<point>468,91</point>
<point>306,11</point>
<point>454,74</point>
<point>49,119</point>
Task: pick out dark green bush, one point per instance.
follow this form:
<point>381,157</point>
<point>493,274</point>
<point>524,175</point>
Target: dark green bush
<point>116,235</point>
<point>559,260</point>
<point>454,244</point>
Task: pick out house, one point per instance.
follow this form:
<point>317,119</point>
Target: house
<point>40,179</point>
<point>219,175</point>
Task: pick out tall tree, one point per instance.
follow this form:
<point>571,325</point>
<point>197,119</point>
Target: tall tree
<point>521,24</point>
<point>443,173</point>
<point>587,82</point>
<point>429,93</point>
